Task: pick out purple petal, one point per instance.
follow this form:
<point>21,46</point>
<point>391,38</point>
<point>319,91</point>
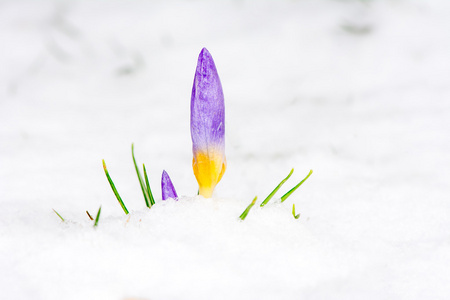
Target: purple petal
<point>207,125</point>
<point>167,188</point>
<point>207,107</point>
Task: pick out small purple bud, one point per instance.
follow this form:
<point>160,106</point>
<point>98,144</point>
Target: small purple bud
<point>167,188</point>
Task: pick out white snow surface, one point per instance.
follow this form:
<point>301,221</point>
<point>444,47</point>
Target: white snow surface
<point>358,91</point>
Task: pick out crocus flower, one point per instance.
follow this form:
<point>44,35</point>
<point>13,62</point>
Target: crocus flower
<point>167,188</point>
<point>207,125</point>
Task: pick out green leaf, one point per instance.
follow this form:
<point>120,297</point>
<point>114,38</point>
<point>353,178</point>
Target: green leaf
<point>276,189</point>
<point>113,187</point>
<point>247,210</point>
<point>293,212</point>
<point>149,191</point>
<point>285,196</point>
<point>62,219</point>
<point>97,217</point>
<point>141,182</point>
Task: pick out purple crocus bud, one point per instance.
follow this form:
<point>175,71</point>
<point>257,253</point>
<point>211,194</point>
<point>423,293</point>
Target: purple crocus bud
<point>207,125</point>
<point>167,188</point>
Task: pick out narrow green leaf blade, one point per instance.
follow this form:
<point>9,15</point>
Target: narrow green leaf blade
<point>113,187</point>
<point>141,182</point>
<point>247,210</point>
<point>62,219</point>
<point>97,217</point>
<point>276,189</point>
<point>149,190</point>
<point>293,212</point>
<point>285,196</point>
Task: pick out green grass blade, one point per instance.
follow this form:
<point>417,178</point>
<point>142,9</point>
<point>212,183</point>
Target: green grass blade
<point>113,187</point>
<point>141,182</point>
<point>149,190</point>
<point>285,196</point>
<point>62,219</point>
<point>247,210</point>
<point>276,189</point>
<point>293,212</point>
<point>97,217</point>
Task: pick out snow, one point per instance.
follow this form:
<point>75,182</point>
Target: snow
<point>358,91</point>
